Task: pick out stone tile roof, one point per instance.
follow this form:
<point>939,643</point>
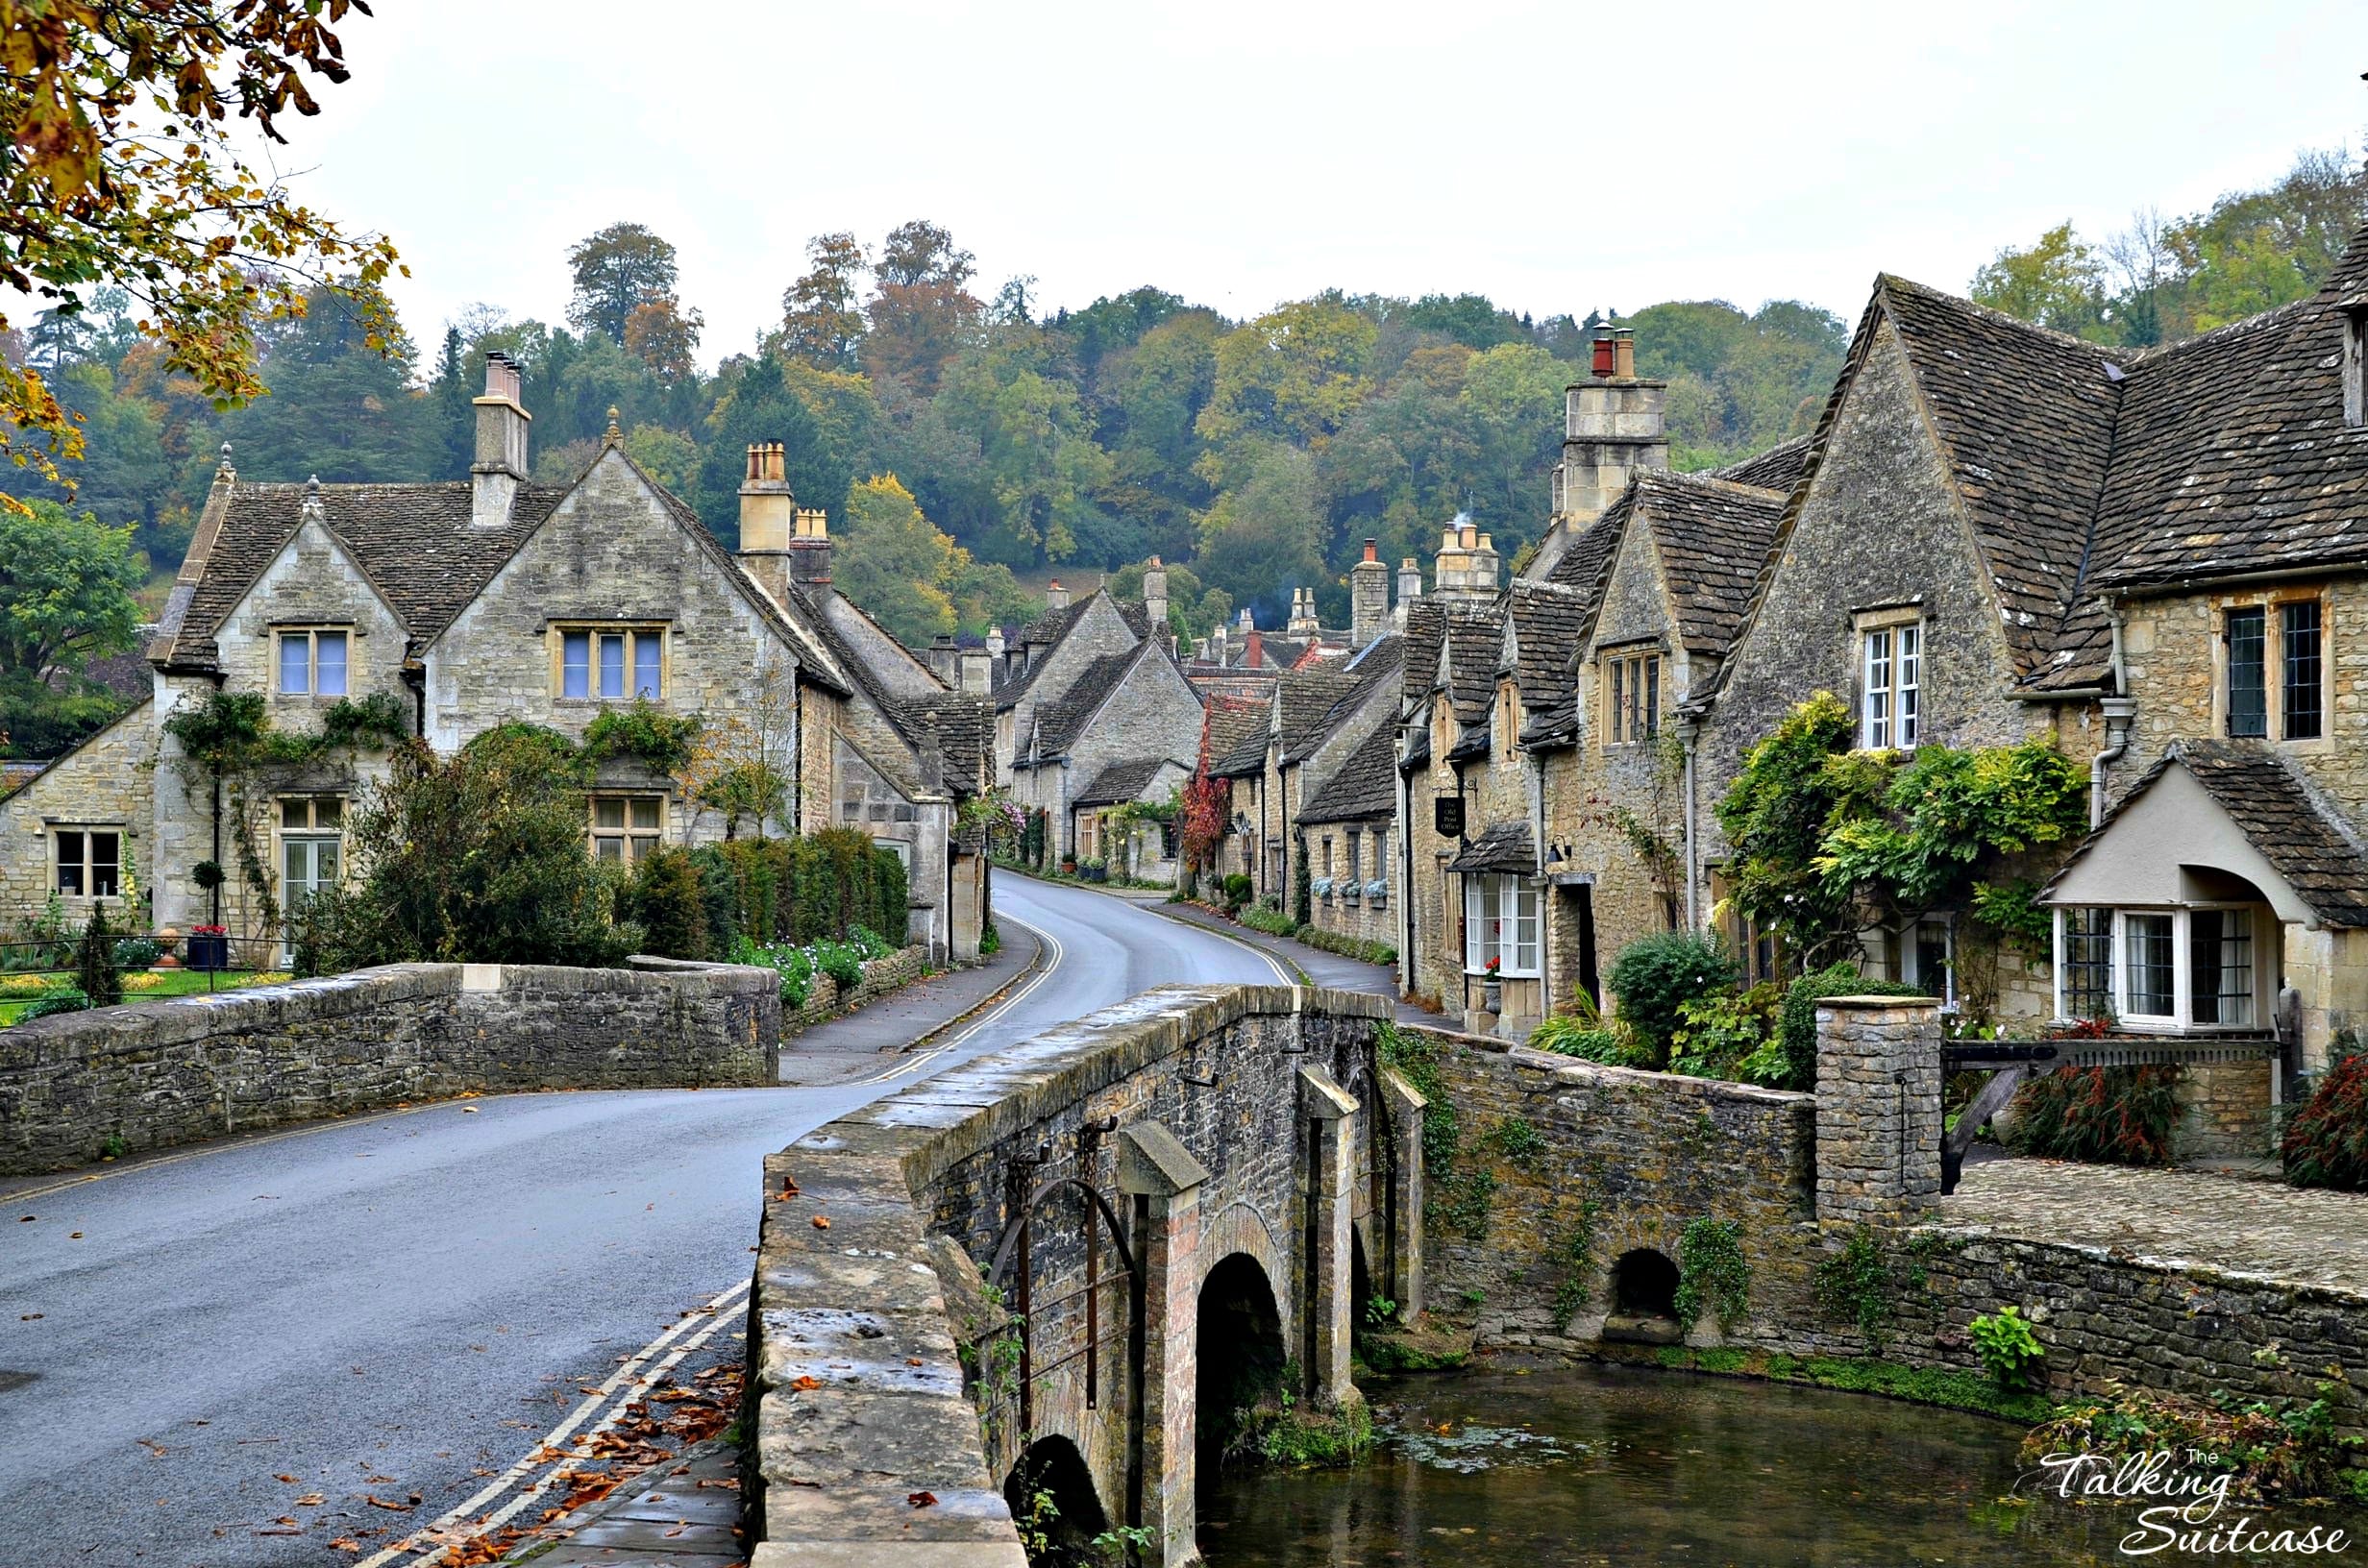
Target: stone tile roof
<point>1376,666</point>
<point>1779,468</point>
<point>1587,565</point>
<point>2269,801</point>
<point>1120,782</point>
<point>1308,697</point>
<point>1363,787</point>
<point>1427,624</point>
<point>1237,734</point>
<point>1549,621</point>
<point>963,728</point>
<point>1501,847</point>
<point>1058,723</point>
<point>1712,536</point>
<point>414,541</point>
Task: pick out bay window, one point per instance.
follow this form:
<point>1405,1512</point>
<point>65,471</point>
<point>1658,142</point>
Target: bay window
<point>1501,921</point>
<point>2185,969</point>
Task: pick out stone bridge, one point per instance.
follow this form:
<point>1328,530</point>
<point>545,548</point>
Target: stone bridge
<point>1042,1264</point>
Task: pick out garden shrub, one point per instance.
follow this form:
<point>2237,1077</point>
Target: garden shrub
<point>96,975</point>
<point>1717,1033</point>
<point>68,1000</point>
<point>1654,976</point>
<point>1237,890</point>
<point>1271,922</point>
<point>2115,1116</point>
<point>666,899</point>
<point>2011,1353</point>
<point>1566,1036</point>
<point>2326,1143</point>
<point>135,953</point>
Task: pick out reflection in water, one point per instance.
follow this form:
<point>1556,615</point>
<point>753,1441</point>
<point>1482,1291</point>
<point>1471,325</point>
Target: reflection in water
<point>1611,1465</point>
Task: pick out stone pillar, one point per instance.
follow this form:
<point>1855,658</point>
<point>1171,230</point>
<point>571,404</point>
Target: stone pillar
<point>1163,1180</point>
<point>1325,1294</point>
<point>1878,1107</point>
<point>1406,1107</point>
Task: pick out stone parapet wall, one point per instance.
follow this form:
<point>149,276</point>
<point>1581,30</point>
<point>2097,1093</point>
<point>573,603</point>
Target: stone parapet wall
<point>155,1074</point>
<point>1878,1116</point>
<point>879,1229</point>
<point>2224,1111</point>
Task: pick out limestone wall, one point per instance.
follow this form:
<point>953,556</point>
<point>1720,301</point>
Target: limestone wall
<point>156,1074</point>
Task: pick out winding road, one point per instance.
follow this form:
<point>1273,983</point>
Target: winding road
<point>403,1306</point>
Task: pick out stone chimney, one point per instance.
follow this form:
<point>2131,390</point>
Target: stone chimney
<point>1155,597</point>
<point>1245,621</point>
<point>943,658</point>
<point>1056,597</point>
<point>1612,431</point>
<point>500,465</point>
<point>1409,589</point>
<point>1368,598</point>
<point>1254,650</point>
<point>994,642</point>
<point>1466,569</point>
<point>974,672</point>
<point>768,520</point>
<point>1302,622</point>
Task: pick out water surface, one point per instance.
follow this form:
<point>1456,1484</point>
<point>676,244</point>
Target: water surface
<point>1641,1468</point>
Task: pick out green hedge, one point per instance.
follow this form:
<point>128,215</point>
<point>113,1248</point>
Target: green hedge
<point>821,887</point>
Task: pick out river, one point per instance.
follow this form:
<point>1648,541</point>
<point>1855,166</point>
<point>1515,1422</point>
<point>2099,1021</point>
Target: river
<point>1643,1468</point>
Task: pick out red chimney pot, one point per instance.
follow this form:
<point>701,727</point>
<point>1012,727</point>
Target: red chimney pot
<point>1603,355</point>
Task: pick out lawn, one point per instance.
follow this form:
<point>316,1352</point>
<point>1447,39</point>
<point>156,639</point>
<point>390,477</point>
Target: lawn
<point>139,986</point>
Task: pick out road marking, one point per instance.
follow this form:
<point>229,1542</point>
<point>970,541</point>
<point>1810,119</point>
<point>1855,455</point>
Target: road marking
<point>721,1311</point>
<point>1047,944</point>
<point>1286,975</point>
<point>217,1146</point>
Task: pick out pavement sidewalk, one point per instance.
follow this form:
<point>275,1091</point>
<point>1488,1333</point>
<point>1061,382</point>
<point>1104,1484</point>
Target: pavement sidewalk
<point>1335,971</point>
<point>851,1046</point>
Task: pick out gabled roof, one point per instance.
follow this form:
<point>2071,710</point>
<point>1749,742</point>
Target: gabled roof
<point>1711,535</point>
<point>1501,847</point>
<point>2278,813</point>
<point>1122,781</point>
<point>1779,468</point>
<point>1364,785</point>
<point>1548,622</point>
<point>1585,567</point>
<point>1308,697</point>
<point>1058,723</point>
<point>1239,730</point>
<point>1471,637</point>
<point>1375,669</point>
<point>414,541</point>
<point>1053,627</point>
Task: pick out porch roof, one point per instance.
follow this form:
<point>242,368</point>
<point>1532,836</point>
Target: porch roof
<point>1501,847</point>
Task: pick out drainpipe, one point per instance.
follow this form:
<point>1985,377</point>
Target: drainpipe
<point>1406,871</point>
<point>2119,711</point>
<point>1688,732</point>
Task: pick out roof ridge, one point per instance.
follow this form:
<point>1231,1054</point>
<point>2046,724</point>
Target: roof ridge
<point>1991,313</point>
<point>1706,478</point>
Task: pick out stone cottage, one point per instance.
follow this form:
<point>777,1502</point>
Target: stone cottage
<point>439,611</point>
<point>1132,707</point>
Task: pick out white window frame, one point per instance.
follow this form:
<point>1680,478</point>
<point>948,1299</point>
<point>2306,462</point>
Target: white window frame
<point>2181,1019</point>
<point>285,638</point>
<point>1891,684</point>
<point>1487,915</point>
<point>118,832</point>
<point>310,821</point>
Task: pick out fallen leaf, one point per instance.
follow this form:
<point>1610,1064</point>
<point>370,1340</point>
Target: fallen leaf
<point>920,1499</point>
<point>821,1223</point>
<point>27,1220</point>
<point>912,1361</point>
<point>158,1449</point>
<point>75,1235</point>
<point>345,1543</point>
<point>789,1186</point>
<point>807,1381</point>
<point>30,1317</point>
<point>468,1109</point>
<point>377,1502</point>
<point>290,1480</point>
<point>311,1499</point>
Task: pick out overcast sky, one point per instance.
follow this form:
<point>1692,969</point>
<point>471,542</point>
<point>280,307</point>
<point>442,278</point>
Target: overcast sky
<point>1556,158</point>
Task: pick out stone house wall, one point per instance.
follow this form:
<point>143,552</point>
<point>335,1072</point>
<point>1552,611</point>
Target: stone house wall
<point>156,1074</point>
<point>1351,910</point>
<point>1154,712</point>
<point>1099,629</point>
<point>105,784</point>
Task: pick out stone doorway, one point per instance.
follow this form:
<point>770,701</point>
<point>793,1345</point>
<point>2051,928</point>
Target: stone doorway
<point>1643,1299</point>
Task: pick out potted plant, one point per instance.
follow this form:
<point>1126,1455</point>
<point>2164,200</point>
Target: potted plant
<point>1492,985</point>
<point>209,947</point>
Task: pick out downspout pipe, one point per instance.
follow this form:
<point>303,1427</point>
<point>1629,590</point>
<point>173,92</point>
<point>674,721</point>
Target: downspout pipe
<point>1689,732</point>
<point>2119,711</point>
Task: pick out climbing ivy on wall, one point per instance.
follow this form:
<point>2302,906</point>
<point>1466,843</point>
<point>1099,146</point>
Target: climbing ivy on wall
<point>1712,1272</point>
<point>1820,831</point>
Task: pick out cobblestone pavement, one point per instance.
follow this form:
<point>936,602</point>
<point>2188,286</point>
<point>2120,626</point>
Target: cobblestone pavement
<point>2183,1216</point>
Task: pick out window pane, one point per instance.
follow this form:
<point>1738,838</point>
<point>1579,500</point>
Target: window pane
<point>2248,673</point>
<point>608,848</point>
<point>643,844</point>
<point>1472,922</point>
<point>1911,670</point>
<point>1932,958</point>
<point>645,811</point>
<point>1620,699</point>
<point>1652,698</point>
<point>329,663</point>
<point>576,664</point>
<point>2148,951</point>
<point>324,862</point>
<point>646,646</point>
<point>295,813</point>
<point>608,811</point>
<point>2298,669</point>
<point>295,867</point>
<point>70,854</point>
<point>2087,963</point>
<point>328,812</point>
<point>1524,957</point>
<point>2220,959</point>
<point>1878,723</point>
<point>612,665</point>
<point>295,663</point>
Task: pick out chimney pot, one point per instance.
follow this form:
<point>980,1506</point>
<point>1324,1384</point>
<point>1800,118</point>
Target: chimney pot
<point>1603,352</point>
<point>1624,353</point>
<point>1370,554</point>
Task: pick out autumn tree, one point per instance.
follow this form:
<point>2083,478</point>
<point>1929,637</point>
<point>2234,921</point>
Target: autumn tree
<point>623,266</point>
<point>893,562</point>
<point>1206,802</point>
<point>1294,374</point>
<point>2058,281</point>
<point>664,336</point>
<point>122,172</point>
<point>820,321</point>
<point>922,312</point>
